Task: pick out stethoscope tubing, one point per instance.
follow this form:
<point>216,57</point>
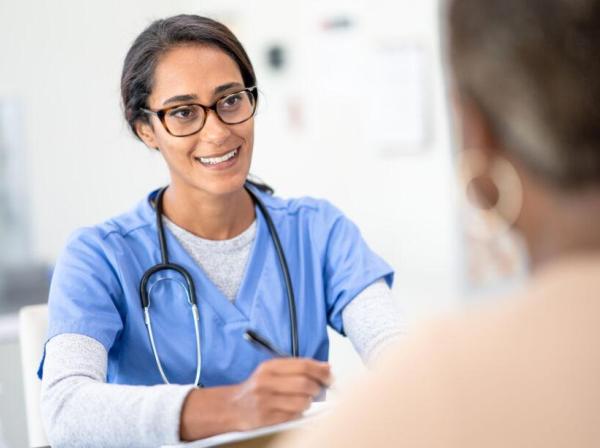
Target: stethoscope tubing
<point>190,290</point>
<point>286,276</point>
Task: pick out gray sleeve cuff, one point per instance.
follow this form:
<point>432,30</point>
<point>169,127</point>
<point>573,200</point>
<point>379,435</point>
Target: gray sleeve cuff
<point>373,320</point>
<point>80,409</point>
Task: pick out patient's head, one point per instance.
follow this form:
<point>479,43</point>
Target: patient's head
<point>532,68</point>
<point>526,78</point>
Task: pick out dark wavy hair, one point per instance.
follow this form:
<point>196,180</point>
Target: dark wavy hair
<point>162,35</point>
<point>533,68</point>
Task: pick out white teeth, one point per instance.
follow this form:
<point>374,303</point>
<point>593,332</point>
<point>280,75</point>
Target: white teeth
<point>221,159</point>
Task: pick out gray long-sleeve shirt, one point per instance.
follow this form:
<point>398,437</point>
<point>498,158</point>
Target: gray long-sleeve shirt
<point>80,409</point>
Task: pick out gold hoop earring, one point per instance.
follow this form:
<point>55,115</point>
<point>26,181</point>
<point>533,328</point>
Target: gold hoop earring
<point>499,218</point>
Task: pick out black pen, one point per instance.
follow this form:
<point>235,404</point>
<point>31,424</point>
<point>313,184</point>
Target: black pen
<point>262,343</point>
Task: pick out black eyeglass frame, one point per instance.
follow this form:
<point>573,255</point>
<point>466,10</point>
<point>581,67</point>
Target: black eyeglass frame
<point>162,112</point>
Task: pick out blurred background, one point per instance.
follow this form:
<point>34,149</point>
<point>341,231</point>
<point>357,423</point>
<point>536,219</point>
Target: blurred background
<point>353,109</point>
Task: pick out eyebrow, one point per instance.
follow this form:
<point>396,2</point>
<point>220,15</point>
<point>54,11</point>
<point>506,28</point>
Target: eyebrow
<point>190,97</point>
<point>226,87</point>
<point>180,98</point>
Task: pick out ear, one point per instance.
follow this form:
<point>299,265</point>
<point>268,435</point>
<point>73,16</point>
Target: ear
<point>480,149</point>
<point>145,131</point>
<point>475,127</point>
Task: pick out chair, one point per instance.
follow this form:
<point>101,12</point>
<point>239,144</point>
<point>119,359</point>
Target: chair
<point>33,324</point>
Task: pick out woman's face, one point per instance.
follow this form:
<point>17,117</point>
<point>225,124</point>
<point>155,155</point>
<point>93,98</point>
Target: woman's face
<point>200,74</point>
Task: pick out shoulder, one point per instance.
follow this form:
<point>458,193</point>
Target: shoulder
<point>305,207</point>
<point>117,228</point>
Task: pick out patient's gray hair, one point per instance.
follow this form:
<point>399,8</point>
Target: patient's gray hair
<point>533,67</point>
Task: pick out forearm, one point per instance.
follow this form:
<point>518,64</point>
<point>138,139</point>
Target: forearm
<point>80,409</point>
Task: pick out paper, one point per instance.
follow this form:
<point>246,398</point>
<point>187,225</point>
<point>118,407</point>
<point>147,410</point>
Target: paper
<point>316,410</point>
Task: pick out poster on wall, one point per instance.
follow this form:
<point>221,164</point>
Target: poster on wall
<point>375,87</point>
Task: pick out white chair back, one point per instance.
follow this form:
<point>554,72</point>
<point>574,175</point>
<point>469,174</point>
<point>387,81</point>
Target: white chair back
<point>33,324</point>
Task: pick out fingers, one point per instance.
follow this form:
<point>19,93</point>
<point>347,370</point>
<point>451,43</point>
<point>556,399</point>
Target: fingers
<point>279,390</point>
<point>309,368</point>
<point>276,417</point>
<point>290,404</point>
<point>284,407</point>
<point>292,385</point>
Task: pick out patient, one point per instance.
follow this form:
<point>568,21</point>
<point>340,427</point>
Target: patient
<point>526,372</point>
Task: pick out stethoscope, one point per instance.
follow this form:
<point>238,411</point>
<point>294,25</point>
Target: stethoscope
<point>188,284</point>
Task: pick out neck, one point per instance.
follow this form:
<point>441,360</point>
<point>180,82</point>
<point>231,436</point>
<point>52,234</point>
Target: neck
<point>557,224</point>
<point>209,216</point>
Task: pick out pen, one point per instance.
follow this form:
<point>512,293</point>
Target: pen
<point>262,343</point>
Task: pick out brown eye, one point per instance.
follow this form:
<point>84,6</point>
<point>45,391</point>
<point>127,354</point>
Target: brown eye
<point>184,113</point>
<point>231,101</point>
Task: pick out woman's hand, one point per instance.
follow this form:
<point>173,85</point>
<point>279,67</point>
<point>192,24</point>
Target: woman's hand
<point>277,391</point>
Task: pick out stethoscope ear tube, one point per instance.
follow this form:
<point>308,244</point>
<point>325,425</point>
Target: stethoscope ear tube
<point>189,289</point>
<point>286,274</point>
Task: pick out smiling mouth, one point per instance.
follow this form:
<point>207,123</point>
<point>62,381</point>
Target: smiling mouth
<point>212,161</point>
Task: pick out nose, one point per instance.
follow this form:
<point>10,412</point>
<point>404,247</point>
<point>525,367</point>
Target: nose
<point>214,131</point>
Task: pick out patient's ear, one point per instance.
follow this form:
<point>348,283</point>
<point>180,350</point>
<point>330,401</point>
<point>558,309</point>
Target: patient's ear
<point>475,128</point>
<point>145,131</point>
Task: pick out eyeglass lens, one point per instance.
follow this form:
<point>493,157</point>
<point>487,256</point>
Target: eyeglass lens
<point>188,119</point>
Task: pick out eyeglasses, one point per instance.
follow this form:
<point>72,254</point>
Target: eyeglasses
<point>188,119</point>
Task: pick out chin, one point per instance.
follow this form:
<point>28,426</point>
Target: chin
<point>223,186</point>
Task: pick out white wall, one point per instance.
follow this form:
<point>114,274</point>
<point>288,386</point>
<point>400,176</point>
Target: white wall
<point>63,59</point>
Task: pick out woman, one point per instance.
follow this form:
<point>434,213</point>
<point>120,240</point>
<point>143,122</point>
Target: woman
<point>527,372</point>
<point>189,91</point>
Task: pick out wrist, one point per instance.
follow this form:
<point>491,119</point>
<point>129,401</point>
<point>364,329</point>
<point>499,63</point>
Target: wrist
<point>207,412</point>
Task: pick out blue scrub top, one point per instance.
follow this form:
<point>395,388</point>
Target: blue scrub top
<point>95,292</point>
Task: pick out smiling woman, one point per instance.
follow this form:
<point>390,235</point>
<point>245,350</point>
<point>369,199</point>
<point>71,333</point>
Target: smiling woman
<point>208,153</point>
<point>171,287</point>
